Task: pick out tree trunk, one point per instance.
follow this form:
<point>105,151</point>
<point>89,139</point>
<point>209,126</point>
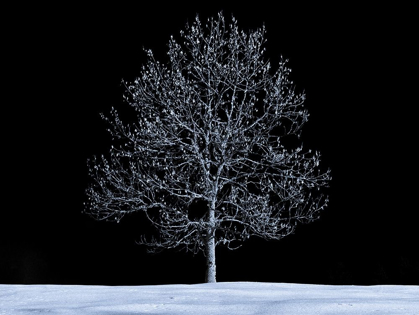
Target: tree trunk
<point>210,256</point>
<point>210,247</point>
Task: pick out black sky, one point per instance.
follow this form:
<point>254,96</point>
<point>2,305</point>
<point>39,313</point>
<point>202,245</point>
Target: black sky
<point>66,65</point>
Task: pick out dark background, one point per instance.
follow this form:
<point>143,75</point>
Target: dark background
<point>63,66</point>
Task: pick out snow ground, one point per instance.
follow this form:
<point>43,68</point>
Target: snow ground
<point>204,299</point>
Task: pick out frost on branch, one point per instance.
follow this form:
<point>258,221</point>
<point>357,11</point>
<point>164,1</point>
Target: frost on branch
<point>209,129</point>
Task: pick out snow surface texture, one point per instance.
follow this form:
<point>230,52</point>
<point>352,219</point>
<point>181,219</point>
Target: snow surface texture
<point>213,298</point>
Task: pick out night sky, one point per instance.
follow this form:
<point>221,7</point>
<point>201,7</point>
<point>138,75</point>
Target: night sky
<point>66,65</point>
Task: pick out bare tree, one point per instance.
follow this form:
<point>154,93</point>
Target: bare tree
<point>209,128</point>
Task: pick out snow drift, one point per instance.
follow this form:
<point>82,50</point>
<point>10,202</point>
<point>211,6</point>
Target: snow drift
<point>211,298</point>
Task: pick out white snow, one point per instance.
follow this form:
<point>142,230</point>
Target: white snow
<point>213,298</point>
